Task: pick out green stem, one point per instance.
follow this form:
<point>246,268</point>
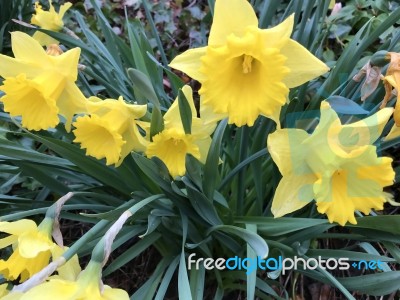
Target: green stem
<point>244,141</point>
<point>88,236</point>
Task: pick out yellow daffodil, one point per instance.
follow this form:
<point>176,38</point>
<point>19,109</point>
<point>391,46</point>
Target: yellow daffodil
<point>109,130</point>
<point>392,81</point>
<point>246,71</point>
<point>336,165</point>
<point>32,246</point>
<point>49,20</point>
<point>38,86</point>
<point>172,144</point>
<point>87,286</point>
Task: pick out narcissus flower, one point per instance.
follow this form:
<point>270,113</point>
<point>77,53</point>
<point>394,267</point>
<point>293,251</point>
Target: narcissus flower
<point>37,86</point>
<point>336,165</point>
<point>173,144</point>
<point>87,286</point>
<point>392,81</point>
<point>32,246</point>
<point>50,20</point>
<point>246,71</point>
<point>109,130</point>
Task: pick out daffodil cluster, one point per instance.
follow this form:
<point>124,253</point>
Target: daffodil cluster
<point>245,72</point>
<point>34,258</point>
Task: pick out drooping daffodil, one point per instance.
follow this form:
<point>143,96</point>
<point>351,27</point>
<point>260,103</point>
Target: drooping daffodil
<point>246,71</point>
<point>49,20</point>
<point>336,165</point>
<point>109,130</point>
<point>39,86</point>
<point>172,144</point>
<point>32,248</point>
<point>87,285</point>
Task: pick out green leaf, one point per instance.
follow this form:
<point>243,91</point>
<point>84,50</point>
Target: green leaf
<point>343,105</point>
<point>185,112</point>
<point>132,252</point>
<point>142,84</point>
<point>251,278</point>
<point>157,122</point>
<point>374,284</point>
<point>197,279</point>
<point>211,166</point>
<point>183,280</point>
<point>280,226</point>
<point>254,240</point>
<point>351,255</point>
<point>167,279</point>
<point>201,204</point>
<point>147,290</point>
<point>86,164</point>
<point>389,224</point>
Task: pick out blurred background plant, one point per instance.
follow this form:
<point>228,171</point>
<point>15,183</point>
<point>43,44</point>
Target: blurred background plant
<point>210,211</point>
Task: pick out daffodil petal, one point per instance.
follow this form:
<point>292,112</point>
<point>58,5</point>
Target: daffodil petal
<point>371,128</point>
<point>67,63</point>
<point>71,102</point>
<point>7,241</point>
<point>114,294</point>
<point>283,146</point>
<point>64,8</point>
<point>293,192</point>
<point>208,115</point>
<point>172,117</point>
<point>12,67</point>
<point>231,17</point>
<point>302,64</point>
<point>279,35</point>
<point>27,49</point>
<point>393,133</point>
<point>331,194</point>
<point>71,269</point>
<point>44,39</point>
<point>134,142</point>
<point>31,243</point>
<point>204,147</point>
<point>189,62</point>
<point>53,289</point>
<point>18,227</point>
<point>392,80</point>
<point>19,266</point>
